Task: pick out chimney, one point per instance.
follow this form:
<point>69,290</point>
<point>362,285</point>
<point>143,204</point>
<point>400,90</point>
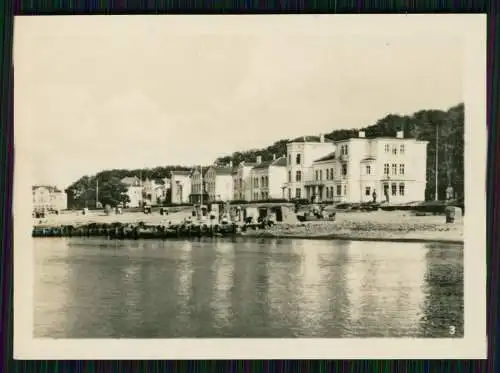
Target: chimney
<point>400,135</point>
<point>361,134</point>
<point>321,138</point>
<point>274,157</point>
<point>259,159</point>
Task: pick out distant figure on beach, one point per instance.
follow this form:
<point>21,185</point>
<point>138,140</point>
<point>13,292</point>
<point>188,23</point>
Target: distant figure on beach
<point>374,196</point>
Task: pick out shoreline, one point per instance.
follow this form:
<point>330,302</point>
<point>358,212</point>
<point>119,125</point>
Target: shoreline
<point>369,226</point>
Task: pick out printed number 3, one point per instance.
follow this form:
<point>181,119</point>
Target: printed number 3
<point>452,330</point>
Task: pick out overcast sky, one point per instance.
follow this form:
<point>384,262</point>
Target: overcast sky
<point>127,92</point>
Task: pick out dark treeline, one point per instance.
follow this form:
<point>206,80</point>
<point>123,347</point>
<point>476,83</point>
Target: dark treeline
<point>82,193</point>
<point>421,125</point>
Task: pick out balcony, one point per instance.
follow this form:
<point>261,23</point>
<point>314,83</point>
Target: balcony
<point>314,183</point>
<point>343,157</point>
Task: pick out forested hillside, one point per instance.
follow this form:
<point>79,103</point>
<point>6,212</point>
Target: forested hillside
<point>421,125</point>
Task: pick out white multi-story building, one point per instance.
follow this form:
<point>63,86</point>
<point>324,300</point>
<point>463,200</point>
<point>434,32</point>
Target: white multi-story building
<point>219,183</point>
<point>242,181</point>
<point>391,169</point>
<point>48,197</point>
<point>196,186</point>
<point>268,178</point>
<point>134,191</point>
<point>301,154</point>
<point>180,186</point>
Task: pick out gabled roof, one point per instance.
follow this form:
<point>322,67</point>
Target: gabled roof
<point>328,157</point>
<point>222,170</point>
<point>51,188</point>
<point>310,139</point>
<point>197,169</point>
<point>280,162</point>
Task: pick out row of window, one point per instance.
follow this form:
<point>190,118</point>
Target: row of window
<point>394,189</point>
<point>394,149</point>
<point>264,182</point>
<point>297,159</point>
<point>261,196</point>
<point>330,173</point>
<point>341,190</point>
<point>394,168</point>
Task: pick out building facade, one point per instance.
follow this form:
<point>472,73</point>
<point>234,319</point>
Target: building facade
<point>242,181</point>
<point>198,186</point>
<point>219,183</point>
<point>268,178</point>
<point>180,186</point>
<point>376,169</point>
<point>134,191</point>
<point>301,154</point>
<point>46,197</point>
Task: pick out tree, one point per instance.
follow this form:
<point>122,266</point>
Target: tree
<point>112,191</point>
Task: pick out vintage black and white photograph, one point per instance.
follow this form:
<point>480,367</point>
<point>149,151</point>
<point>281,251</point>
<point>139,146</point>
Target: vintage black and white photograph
<point>247,178</point>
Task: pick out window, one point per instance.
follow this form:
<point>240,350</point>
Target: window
<point>394,149</point>
<point>317,175</point>
<point>331,175</point>
<point>289,193</point>
<point>393,189</point>
<point>262,181</point>
<point>394,169</point>
<point>256,196</point>
<point>367,191</point>
<point>256,182</point>
<point>401,189</point>
<point>386,168</point>
<point>344,169</point>
<point>386,147</point>
<point>289,176</point>
<point>297,192</point>
<point>345,189</point>
<point>298,176</point>
<point>289,159</point>
<point>402,149</point>
<point>297,159</point>
<point>331,192</point>
<point>368,169</point>
<point>263,195</point>
<point>339,190</point>
<point>401,169</point>
<point>321,174</point>
<point>344,150</point>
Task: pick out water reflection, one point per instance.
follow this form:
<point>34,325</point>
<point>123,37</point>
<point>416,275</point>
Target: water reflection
<point>91,288</point>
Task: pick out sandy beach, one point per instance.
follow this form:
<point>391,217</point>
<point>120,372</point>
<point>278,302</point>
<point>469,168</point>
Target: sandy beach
<point>379,225</point>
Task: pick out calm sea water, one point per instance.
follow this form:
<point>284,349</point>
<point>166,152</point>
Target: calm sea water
<point>251,288</point>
